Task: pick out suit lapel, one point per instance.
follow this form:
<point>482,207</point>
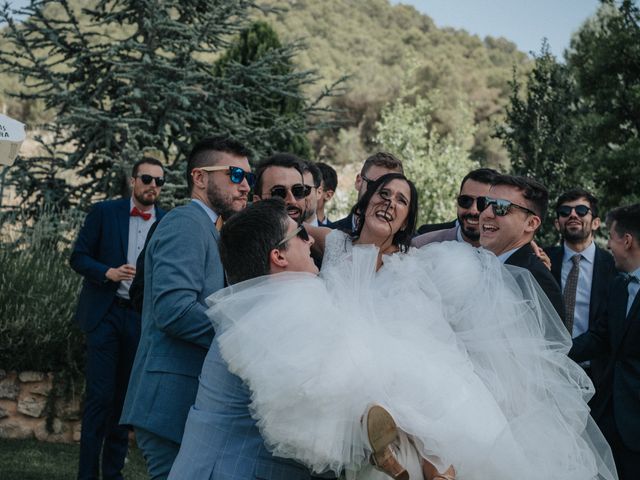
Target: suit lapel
<point>556,257</point>
<point>123,224</point>
<point>599,276</point>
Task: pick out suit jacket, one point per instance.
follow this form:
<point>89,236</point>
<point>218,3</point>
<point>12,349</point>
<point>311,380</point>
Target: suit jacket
<point>434,227</point>
<point>604,271</point>
<point>449,234</point>
<point>618,334</point>
<point>526,258</point>
<point>345,224</point>
<point>101,244</point>
<point>136,290</point>
<point>221,441</point>
<point>182,268</point>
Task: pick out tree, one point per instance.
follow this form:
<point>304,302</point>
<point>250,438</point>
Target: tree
<point>604,58</point>
<point>132,76</point>
<point>541,131</point>
<point>436,163</point>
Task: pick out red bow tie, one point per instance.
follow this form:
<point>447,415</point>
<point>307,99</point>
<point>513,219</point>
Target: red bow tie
<point>139,213</point>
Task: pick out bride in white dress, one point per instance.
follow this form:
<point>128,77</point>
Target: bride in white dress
<point>469,358</point>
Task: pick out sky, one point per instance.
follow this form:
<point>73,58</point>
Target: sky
<point>524,22</point>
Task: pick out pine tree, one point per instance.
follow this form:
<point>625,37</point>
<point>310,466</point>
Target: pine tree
<point>127,77</point>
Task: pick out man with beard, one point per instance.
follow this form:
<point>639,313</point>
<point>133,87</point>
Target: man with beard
<point>312,178</point>
<point>467,229</point>
<point>182,268</point>
<point>280,176</point>
<point>583,270</point>
<point>105,253</point>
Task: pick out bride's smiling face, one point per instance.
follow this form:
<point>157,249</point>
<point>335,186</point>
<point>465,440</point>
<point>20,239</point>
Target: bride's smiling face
<point>388,209</point>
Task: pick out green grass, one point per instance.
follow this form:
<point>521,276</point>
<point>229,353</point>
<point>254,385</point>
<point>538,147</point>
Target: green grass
<point>33,460</point>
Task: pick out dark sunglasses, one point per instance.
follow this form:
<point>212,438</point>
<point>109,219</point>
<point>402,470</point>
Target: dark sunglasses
<point>465,201</point>
<point>500,206</point>
<point>299,191</point>
<point>147,179</point>
<point>236,174</point>
<point>565,210</point>
<point>301,232</point>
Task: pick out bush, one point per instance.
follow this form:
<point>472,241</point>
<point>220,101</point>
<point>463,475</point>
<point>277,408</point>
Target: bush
<point>38,295</point>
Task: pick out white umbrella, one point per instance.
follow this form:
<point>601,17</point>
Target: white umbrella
<point>12,135</point>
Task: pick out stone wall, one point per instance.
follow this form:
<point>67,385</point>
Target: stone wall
<point>23,400</point>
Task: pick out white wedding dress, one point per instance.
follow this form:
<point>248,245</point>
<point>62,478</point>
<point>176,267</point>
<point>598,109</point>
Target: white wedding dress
<point>467,356</point>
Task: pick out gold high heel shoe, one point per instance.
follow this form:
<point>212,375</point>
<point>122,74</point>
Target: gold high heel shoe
<point>381,432</point>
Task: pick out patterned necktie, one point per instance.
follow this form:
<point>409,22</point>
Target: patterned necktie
<point>569,294</point>
<point>135,212</point>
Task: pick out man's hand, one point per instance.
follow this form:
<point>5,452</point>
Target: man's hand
<point>123,272</point>
<point>541,254</point>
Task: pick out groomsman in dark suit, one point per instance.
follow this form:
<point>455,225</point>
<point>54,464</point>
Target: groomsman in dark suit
<point>182,268</point>
<point>583,270</point>
<point>510,216</point>
<point>326,191</point>
<point>105,253</point>
<point>373,168</point>
<point>616,405</point>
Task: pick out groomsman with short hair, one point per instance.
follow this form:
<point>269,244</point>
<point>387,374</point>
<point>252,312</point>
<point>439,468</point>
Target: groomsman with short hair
<point>616,405</point>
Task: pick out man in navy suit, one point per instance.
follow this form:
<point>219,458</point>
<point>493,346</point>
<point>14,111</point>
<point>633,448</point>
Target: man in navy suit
<point>616,404</point>
<point>105,253</point>
<point>221,440</point>
<point>585,290</point>
<point>509,217</point>
<point>181,269</point>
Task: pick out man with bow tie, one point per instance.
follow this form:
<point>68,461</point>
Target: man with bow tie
<point>616,404</point>
<point>105,253</point>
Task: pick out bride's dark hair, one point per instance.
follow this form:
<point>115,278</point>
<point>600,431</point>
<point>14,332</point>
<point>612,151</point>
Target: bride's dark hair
<point>402,238</point>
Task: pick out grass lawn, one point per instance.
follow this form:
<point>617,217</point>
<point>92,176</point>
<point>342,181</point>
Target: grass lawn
<point>33,460</point>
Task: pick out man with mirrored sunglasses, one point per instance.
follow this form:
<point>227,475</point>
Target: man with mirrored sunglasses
<point>281,175</point>
<point>105,254</point>
<point>181,269</point>
<point>583,270</point>
<point>466,228</point>
<point>509,218</point>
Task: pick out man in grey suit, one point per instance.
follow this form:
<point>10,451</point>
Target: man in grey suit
<point>221,441</point>
<point>182,268</point>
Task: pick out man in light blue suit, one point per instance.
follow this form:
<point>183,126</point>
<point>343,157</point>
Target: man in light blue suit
<point>221,441</point>
<point>182,268</point>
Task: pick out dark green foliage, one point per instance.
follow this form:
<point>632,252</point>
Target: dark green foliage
<point>257,44</point>
<point>605,61</point>
<point>541,132</point>
<point>38,298</point>
<point>132,76</point>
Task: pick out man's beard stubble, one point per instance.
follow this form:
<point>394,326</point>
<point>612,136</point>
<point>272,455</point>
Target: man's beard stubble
<point>219,204</point>
<point>473,235</point>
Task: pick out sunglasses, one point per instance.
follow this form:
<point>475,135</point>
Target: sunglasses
<point>299,191</point>
<point>565,210</point>
<point>465,201</point>
<point>236,174</point>
<point>500,206</point>
<point>300,232</point>
<point>147,179</point>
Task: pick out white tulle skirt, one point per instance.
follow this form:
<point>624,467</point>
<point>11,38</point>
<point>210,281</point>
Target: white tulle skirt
<point>468,357</point>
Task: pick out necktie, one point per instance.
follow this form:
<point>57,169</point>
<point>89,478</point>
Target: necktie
<point>135,212</point>
<point>569,294</point>
<point>219,222</point>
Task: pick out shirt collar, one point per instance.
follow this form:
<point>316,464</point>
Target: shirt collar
<point>212,215</point>
<point>588,253</point>
<point>503,257</point>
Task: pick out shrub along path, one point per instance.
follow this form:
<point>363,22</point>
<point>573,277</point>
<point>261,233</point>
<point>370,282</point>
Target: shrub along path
<point>33,460</point>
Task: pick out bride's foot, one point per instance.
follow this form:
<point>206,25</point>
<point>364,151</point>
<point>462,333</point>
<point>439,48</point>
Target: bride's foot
<point>431,473</point>
<point>381,432</point>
